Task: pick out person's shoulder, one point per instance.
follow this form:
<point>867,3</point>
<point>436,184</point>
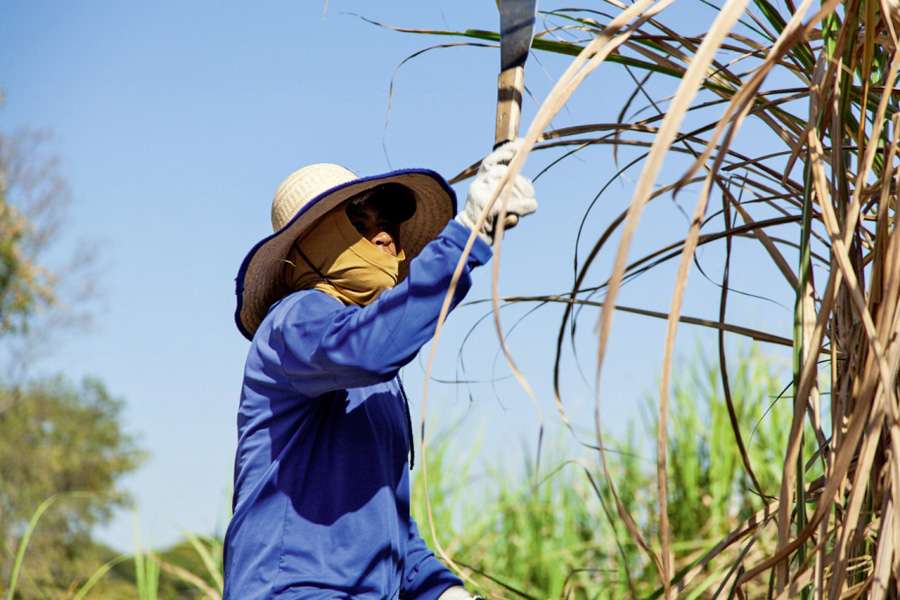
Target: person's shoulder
<point>303,304</point>
<point>295,308</point>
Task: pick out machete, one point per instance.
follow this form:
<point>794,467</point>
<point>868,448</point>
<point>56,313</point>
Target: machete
<point>516,32</point>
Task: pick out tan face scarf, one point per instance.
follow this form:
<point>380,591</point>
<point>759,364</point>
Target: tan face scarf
<point>344,263</point>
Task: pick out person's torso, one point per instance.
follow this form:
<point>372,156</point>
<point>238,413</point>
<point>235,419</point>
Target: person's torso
<point>321,499</point>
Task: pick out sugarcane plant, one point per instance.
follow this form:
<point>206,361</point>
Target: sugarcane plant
<point>816,187</point>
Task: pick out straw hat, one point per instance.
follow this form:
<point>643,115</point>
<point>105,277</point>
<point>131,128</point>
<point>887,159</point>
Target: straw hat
<point>304,197</point>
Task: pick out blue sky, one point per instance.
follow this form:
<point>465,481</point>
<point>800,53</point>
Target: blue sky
<point>175,123</point>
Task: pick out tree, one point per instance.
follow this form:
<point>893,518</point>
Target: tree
<point>59,439</point>
<point>40,298</point>
<point>23,284</point>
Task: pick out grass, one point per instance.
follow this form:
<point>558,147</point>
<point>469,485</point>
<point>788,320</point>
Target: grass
<point>805,506</point>
<point>552,534</point>
<point>192,569</point>
<point>556,535</point>
<point>817,84</point>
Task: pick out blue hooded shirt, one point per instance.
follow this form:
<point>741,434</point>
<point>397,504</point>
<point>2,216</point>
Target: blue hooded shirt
<point>321,477</point>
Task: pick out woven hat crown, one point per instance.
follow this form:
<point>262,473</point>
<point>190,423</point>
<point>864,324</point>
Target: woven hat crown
<point>302,186</point>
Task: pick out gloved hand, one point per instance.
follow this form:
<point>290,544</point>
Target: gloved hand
<point>519,199</point>
<point>457,593</point>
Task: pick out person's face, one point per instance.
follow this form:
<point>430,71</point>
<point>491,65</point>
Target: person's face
<point>374,225</point>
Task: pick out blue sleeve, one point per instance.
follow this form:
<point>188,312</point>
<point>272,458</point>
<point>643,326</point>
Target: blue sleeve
<point>328,346</point>
<point>424,577</point>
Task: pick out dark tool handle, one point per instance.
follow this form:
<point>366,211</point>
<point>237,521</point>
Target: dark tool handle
<point>510,86</point>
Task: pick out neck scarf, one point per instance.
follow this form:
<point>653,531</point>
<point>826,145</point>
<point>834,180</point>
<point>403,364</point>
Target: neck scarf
<point>336,259</point>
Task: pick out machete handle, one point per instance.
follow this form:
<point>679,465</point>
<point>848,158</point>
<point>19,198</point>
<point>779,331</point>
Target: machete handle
<point>510,85</point>
<point>510,221</point>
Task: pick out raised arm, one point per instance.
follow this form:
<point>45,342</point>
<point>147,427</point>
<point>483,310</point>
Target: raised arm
<point>328,346</point>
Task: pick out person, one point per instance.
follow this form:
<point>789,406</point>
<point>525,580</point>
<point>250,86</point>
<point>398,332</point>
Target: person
<point>341,296</point>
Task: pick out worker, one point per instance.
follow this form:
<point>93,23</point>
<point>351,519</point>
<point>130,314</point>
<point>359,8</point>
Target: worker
<point>335,302</point>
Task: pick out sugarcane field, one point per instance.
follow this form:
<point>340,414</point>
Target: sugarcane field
<point>506,299</point>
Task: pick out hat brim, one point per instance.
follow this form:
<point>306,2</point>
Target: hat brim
<point>260,282</point>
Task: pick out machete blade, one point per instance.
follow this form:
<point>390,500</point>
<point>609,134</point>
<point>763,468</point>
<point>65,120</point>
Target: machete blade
<point>516,31</point>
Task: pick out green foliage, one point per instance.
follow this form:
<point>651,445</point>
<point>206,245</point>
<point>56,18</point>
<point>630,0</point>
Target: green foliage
<point>65,442</point>
<point>542,535</point>
<point>23,284</point>
<point>192,568</point>
<point>561,536</point>
<point>209,551</point>
<point>709,487</point>
<point>63,448</point>
<point>177,572</point>
<point>99,576</point>
<point>146,575</point>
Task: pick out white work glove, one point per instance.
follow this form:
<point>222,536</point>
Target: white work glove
<point>519,199</point>
<point>456,593</point>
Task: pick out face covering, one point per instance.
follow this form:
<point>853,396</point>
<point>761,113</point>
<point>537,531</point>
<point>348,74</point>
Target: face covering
<point>344,264</point>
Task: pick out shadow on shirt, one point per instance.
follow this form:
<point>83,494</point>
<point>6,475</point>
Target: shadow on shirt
<point>356,445</point>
